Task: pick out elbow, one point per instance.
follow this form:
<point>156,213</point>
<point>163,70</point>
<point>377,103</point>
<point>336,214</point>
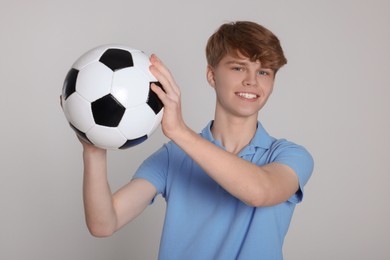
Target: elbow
<point>255,201</point>
<point>99,234</point>
<point>265,197</point>
<point>100,231</point>
<point>257,198</point>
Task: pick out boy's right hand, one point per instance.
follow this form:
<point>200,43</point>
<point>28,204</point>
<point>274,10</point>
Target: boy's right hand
<point>87,147</point>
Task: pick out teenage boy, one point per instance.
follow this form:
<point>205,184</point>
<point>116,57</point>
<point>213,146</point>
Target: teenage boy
<point>230,190</point>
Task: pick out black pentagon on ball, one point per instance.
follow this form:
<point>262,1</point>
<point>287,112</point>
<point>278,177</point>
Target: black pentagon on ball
<point>70,83</point>
<point>153,101</point>
<point>107,111</point>
<point>134,142</point>
<point>117,59</point>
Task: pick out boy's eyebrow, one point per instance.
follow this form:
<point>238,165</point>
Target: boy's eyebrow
<point>236,62</point>
<point>242,63</point>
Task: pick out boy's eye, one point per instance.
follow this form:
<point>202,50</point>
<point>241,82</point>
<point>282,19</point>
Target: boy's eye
<point>237,68</point>
<point>264,73</point>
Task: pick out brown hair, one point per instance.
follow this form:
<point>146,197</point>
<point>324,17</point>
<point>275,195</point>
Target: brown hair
<point>249,39</point>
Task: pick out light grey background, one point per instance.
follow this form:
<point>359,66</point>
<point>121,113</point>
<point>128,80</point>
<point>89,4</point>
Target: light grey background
<point>332,97</point>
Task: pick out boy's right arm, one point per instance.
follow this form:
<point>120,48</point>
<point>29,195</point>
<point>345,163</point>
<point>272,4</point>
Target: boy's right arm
<point>105,212</point>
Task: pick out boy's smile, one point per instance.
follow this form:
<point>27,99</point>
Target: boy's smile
<point>247,96</point>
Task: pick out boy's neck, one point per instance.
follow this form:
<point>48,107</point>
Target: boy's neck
<point>234,133</point>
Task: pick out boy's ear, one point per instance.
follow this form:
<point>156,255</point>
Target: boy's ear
<point>210,75</point>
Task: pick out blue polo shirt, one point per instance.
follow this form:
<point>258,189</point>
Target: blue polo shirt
<point>203,221</point>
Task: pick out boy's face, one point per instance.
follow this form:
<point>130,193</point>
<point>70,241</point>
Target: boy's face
<point>242,86</point>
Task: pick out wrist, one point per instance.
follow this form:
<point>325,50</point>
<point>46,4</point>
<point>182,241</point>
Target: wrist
<point>93,151</point>
<point>95,161</point>
<point>184,137</point>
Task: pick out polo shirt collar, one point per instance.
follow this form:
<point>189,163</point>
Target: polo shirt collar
<point>261,139</point>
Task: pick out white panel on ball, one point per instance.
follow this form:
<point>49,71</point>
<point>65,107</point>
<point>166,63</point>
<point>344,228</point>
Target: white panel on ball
<point>129,86</point>
<point>142,62</point>
<point>89,57</point>
<point>137,122</point>
<point>106,137</point>
<point>157,121</point>
<point>92,88</point>
<point>78,112</point>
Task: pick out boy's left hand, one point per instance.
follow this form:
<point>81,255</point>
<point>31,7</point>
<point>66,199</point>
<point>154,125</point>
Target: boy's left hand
<point>172,123</point>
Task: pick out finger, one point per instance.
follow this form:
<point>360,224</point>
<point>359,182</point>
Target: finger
<point>164,71</point>
<point>161,78</point>
<point>160,93</point>
<point>164,81</point>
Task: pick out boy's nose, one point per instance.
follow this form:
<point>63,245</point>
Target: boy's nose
<point>249,80</point>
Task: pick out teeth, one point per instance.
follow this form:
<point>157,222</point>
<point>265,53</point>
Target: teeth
<point>247,95</point>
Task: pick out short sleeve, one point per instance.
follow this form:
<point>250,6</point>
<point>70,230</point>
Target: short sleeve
<point>154,169</point>
<point>297,158</point>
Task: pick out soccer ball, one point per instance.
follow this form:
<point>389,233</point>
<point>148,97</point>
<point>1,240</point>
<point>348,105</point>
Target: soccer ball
<point>107,100</point>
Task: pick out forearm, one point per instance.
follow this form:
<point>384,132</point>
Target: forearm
<point>99,211</point>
